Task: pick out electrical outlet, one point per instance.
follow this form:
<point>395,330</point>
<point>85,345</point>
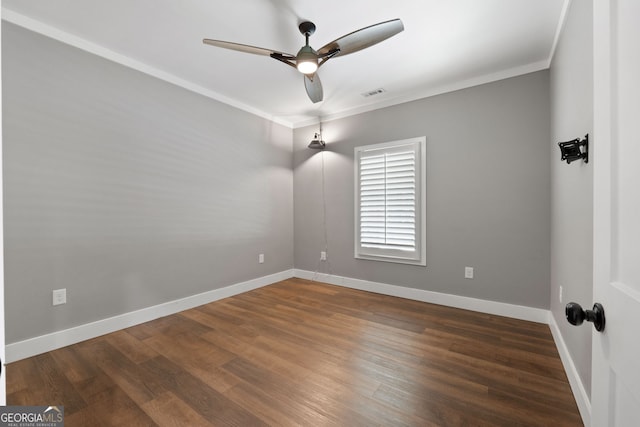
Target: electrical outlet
<point>560,294</point>
<point>468,272</point>
<point>59,296</point>
<point>323,256</point>
<point>261,258</point>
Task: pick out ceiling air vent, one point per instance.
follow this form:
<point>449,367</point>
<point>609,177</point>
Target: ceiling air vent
<point>373,92</point>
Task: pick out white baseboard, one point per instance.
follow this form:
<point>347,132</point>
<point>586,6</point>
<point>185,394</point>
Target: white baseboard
<point>531,314</point>
<point>59,339</point>
<point>579,392</point>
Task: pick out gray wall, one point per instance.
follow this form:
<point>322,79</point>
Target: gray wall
<point>129,191</point>
<point>488,191</point>
<point>572,185</point>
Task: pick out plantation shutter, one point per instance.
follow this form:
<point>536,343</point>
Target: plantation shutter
<point>388,201</point>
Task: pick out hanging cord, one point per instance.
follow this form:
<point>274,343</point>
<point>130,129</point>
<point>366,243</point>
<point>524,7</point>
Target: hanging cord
<point>324,222</point>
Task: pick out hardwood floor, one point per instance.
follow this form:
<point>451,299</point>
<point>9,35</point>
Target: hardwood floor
<point>305,353</point>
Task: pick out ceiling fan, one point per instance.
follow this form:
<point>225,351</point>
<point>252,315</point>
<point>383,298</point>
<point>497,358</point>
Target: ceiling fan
<point>308,60</point>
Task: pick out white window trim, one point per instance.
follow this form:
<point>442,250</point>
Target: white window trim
<point>386,255</point>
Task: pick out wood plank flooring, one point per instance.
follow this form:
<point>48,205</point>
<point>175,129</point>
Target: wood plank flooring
<point>306,353</point>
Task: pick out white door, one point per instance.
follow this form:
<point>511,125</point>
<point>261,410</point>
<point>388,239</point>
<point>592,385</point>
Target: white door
<point>615,390</point>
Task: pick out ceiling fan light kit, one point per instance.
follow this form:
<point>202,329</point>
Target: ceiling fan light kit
<point>307,61</point>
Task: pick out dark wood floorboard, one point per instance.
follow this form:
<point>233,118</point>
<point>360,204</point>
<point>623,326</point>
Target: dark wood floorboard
<point>306,353</point>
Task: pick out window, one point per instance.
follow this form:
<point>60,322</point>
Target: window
<point>390,201</point>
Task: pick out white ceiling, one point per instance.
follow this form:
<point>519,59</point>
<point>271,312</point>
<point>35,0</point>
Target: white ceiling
<point>446,45</point>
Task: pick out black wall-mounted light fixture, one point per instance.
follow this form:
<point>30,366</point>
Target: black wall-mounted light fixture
<point>575,149</point>
<point>317,143</point>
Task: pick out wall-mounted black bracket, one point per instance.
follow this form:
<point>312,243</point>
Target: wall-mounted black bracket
<point>575,149</point>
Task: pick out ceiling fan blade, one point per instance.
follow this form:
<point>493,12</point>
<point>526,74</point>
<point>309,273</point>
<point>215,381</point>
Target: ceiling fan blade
<point>314,87</point>
<point>363,38</point>
<point>244,48</point>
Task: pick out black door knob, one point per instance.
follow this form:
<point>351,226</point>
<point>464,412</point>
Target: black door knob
<point>576,315</point>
